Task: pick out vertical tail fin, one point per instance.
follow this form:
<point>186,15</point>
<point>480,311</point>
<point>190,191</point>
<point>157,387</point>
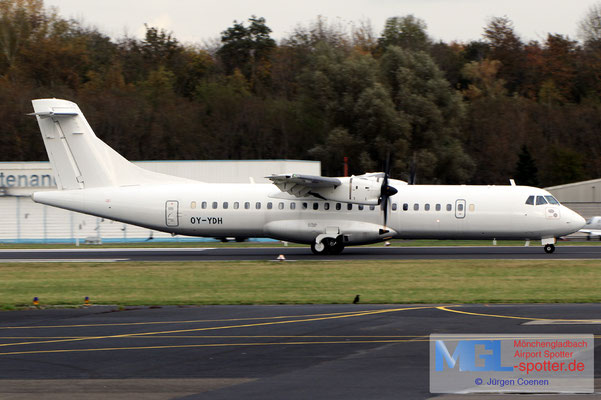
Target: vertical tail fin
<point>79,159</point>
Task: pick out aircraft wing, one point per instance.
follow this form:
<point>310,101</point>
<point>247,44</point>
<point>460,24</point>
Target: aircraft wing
<point>301,185</point>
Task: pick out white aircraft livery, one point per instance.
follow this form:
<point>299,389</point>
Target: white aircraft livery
<point>327,213</point>
<point>592,227</point>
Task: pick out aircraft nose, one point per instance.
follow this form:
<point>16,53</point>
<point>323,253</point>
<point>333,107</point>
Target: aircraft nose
<point>576,220</point>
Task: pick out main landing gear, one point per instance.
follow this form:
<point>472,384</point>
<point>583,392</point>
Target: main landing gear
<point>549,248</point>
<point>327,246</point>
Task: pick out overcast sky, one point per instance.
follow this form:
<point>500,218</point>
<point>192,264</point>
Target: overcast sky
<point>193,21</point>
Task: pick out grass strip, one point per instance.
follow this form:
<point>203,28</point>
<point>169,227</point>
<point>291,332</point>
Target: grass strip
<point>330,282</point>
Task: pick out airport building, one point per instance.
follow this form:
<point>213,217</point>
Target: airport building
<point>26,221</point>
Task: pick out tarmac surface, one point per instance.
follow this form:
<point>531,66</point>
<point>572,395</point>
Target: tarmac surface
<point>252,352</point>
<point>533,252</point>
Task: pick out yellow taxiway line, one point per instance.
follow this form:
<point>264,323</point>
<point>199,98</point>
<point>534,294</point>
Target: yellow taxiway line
<point>128,335</point>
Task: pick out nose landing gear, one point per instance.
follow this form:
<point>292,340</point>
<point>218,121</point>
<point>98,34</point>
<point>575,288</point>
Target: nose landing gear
<point>549,244</point>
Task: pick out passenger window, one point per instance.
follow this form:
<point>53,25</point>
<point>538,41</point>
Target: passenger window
<point>304,206</point>
<point>530,200</point>
<point>269,205</point>
<point>393,206</point>
<point>338,206</point>
<point>427,207</point>
<point>449,207</point>
<point>236,205</point>
<point>193,205</point>
<point>405,206</point>
<point>225,205</point>
<point>281,206</point>
<point>326,206</point>
<point>349,206</point>
<point>460,207</point>
<point>316,206</point>
<point>372,208</point>
<point>438,207</point>
<point>540,200</point>
<point>214,205</point>
<point>472,207</point>
<point>204,204</point>
<point>416,207</point>
<point>258,205</point>
<point>292,205</point>
<point>360,207</point>
<point>247,205</point>
<point>551,200</point>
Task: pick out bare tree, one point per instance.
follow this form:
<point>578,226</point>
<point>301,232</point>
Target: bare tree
<point>589,29</point>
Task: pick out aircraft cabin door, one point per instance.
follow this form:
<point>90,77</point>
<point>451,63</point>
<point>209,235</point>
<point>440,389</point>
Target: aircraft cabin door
<point>460,208</point>
<point>171,213</point>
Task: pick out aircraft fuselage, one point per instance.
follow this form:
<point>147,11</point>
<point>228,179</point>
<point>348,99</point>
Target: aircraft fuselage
<point>261,210</point>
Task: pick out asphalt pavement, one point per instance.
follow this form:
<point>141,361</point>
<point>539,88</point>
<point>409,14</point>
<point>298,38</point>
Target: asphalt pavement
<point>251,352</point>
<point>562,252</point>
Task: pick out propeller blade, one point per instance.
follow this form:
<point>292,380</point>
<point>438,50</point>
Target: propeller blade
<point>386,191</point>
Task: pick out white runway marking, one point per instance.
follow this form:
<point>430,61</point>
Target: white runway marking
<point>564,322</point>
<point>113,249</point>
<point>58,260</point>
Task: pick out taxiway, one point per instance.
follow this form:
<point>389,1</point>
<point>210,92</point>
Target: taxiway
<point>252,352</point>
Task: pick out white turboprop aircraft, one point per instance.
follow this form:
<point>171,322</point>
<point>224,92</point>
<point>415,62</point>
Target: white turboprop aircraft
<point>592,227</point>
<point>327,213</point>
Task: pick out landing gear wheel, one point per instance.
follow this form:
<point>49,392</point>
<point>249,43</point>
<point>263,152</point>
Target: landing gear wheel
<point>336,248</point>
<point>549,248</point>
<point>318,248</point>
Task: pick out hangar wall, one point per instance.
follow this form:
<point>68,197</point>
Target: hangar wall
<point>26,221</point>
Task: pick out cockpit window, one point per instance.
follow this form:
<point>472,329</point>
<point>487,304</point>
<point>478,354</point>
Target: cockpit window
<point>540,200</point>
<point>530,200</point>
<point>551,200</point>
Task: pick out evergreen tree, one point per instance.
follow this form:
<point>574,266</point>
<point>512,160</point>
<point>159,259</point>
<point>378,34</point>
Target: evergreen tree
<point>526,172</point>
<point>247,48</point>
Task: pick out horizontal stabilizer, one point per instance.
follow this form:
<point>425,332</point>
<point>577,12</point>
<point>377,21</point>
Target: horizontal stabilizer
<point>47,114</point>
<point>79,159</point>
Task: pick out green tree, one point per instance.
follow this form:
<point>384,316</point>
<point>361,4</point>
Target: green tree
<point>483,79</point>
<point>568,164</point>
<point>433,112</point>
<point>20,22</point>
<point>407,32</point>
<point>343,90</point>
<point>247,48</point>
